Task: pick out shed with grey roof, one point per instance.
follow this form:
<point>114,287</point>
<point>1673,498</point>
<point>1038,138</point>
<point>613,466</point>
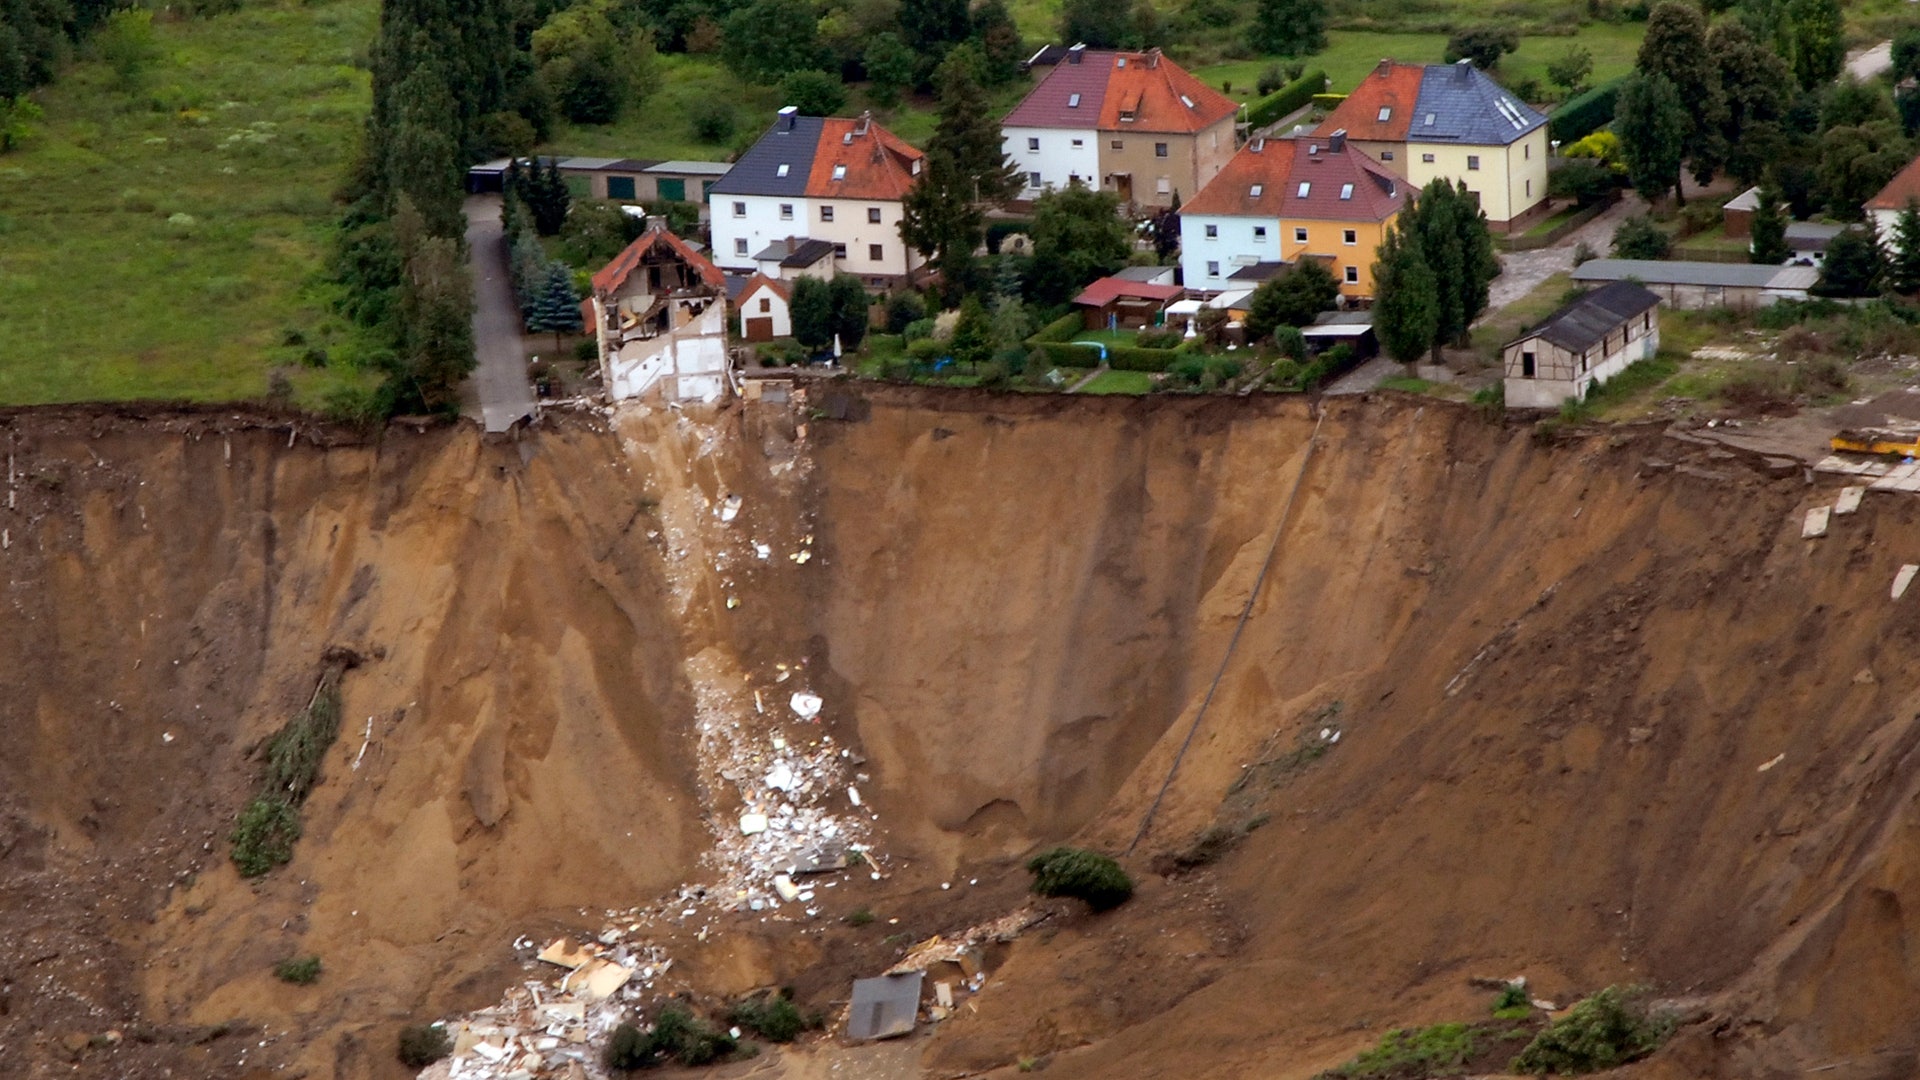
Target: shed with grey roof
<point>1582,345</point>
<point>884,1007</point>
<point>1697,285</point>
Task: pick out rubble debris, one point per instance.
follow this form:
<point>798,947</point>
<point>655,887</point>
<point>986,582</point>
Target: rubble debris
<point>1816,523</point>
<point>1777,759</point>
<point>884,1007</point>
<point>753,824</point>
<point>784,885</point>
<point>729,509</point>
<point>963,948</point>
<point>1903,579</point>
<point>1849,500</point>
<point>566,954</point>
<point>806,706</point>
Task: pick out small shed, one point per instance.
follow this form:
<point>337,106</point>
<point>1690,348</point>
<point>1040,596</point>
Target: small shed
<point>1152,275</point>
<point>1737,215</point>
<point>1808,240</point>
<point>1583,344</point>
<point>797,257</point>
<point>1113,303</point>
<point>1351,328</point>
<point>763,309</point>
<point>884,1007</point>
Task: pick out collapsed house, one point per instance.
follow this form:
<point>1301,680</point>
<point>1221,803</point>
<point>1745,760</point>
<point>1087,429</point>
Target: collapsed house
<point>659,316</point>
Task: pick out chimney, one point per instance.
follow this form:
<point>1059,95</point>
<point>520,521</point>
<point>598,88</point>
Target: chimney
<point>790,113</point>
<point>1076,54</point>
<point>1337,141</point>
<point>866,119</point>
<point>1258,144</point>
<point>1153,57</point>
<point>1464,68</point>
<point>1385,69</point>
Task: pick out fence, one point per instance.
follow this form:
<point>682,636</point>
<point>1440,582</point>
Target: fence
<point>1558,232</point>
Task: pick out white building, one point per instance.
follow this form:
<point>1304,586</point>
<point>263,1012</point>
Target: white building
<point>1582,345</point>
<point>764,314</point>
<point>660,320</point>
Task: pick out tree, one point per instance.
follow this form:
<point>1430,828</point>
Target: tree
<point>1482,45</point>
<point>889,68</point>
<point>1571,69</point>
<point>768,38</point>
<point>1903,255</point>
<point>998,39</point>
<point>932,27</point>
<point>1078,235</point>
<point>556,309</point>
<point>848,307</point>
<point>1289,27</point>
<point>545,193</point>
<point>965,167</point>
<point>972,341</point>
<point>1906,54</point>
<point>713,120</point>
<point>17,117</point>
<point>1818,30</point>
<point>1769,246</point>
<point>1448,232</point>
<point>1651,123</point>
<point>814,93</point>
<point>811,308</point>
<point>1854,265</point>
<point>1097,24</point>
<point>1638,237</point>
<point>1406,298</point>
<point>1675,49</point>
<point>968,132</point>
<point>592,69</point>
<point>436,314</point>
<point>1856,162</point>
<point>1754,84</point>
<point>1291,299</point>
<point>1850,103</point>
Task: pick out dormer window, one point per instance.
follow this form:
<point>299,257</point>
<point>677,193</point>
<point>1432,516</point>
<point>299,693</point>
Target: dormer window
<point>781,171</point>
<point>1305,186</point>
<point>1346,191</point>
<point>1255,191</point>
<point>1073,101</point>
<point>1385,112</point>
<point>840,173</point>
<point>1126,116</point>
<point>1119,61</point>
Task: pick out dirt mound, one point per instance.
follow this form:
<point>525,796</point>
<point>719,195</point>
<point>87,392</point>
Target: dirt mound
<point>1501,707</point>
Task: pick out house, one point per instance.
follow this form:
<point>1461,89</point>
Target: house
<point>1133,123</point>
<point>1884,208</point>
<point>1113,303</point>
<point>1451,122</point>
<point>1585,343</point>
<point>793,257</point>
<point>1696,285</point>
<point>1737,215</point>
<point>834,180</point>
<point>762,304</point>
<point>1808,240</point>
<point>1279,200</point>
<point>660,320</point>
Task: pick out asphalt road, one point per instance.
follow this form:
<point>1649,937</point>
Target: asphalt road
<point>498,392</point>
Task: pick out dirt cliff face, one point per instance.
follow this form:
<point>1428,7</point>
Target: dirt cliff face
<point>1554,671</point>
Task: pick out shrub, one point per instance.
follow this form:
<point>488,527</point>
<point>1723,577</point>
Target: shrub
<point>264,836</point>
<point>423,1044</point>
<point>299,970</point>
<point>1512,1004</point>
<point>1295,95</point>
<point>1639,238</point>
<point>1606,1030</point>
<point>713,120</point>
<point>1291,342</point>
<point>1084,875</point>
<point>1583,115</point>
<point>1271,79</point>
<point>775,1019</point>
<point>1482,45</point>
<point>903,310</point>
<point>1164,338</point>
<point>918,330</point>
<point>628,1048</point>
<point>1440,1050</point>
<point>865,916</point>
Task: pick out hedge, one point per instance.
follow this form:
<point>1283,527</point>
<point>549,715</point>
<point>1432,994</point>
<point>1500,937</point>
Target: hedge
<point>1586,114</point>
<point>1295,95</point>
<point>1119,357</point>
<point>1064,328</point>
<point>1328,102</point>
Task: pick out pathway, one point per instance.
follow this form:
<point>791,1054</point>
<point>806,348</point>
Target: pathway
<point>1521,272</point>
<point>498,393</point>
<point>1867,63</point>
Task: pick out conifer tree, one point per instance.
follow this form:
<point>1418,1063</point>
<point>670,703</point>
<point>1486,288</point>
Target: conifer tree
<point>1769,242</point>
<point>556,307</point>
<point>1406,304</point>
<point>1903,256</point>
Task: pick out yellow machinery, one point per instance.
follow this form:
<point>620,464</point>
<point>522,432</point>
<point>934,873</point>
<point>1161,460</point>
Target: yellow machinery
<point>1878,441</point>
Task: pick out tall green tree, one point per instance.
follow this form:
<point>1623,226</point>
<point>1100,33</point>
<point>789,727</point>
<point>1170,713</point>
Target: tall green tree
<point>965,169</point>
<point>889,66</point>
<point>1854,265</point>
<point>1856,162</point>
<point>1754,87</point>
<point>1906,54</point>
<point>1078,235</point>
<point>1406,298</point>
<point>592,69</point>
<point>435,327</point>
<point>1571,69</point>
<point>1850,102</point>
<point>1450,232</point>
<point>998,40</point>
<point>811,308</point>
<point>813,93</point>
<point>1098,24</point>
<point>1903,250</point>
<point>968,132</point>
<point>1482,46</point>
<point>932,27</point>
<point>1652,125</point>
<point>1675,49</point>
<point>1769,244</point>
<point>1818,29</point>
<point>1291,299</point>
<point>1289,27</point>
<point>849,308</point>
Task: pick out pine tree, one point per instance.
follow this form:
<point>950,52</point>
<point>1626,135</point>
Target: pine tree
<point>547,197</point>
<point>556,307</point>
<point>1769,246</point>
<point>965,167</point>
<point>1903,261</point>
<point>968,132</point>
<point>1406,300</point>
<point>1854,265</point>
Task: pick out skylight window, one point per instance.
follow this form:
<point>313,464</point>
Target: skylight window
<point>1073,101</point>
<point>1305,186</point>
<point>1346,191</point>
<point>1187,101</point>
<point>781,171</point>
<point>1429,119</point>
<point>839,172</point>
<point>1255,191</point>
<point>1385,112</point>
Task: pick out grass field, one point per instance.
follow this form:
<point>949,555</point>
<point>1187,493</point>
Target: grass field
<point>160,242</point>
<point>1120,382</point>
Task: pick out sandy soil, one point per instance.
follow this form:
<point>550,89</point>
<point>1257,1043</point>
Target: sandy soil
<point>1556,670</point>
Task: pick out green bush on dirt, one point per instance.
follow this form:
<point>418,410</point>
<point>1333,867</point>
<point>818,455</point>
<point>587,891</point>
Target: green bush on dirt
<point>423,1044</point>
<point>264,836</point>
<point>299,970</point>
<point>1513,1003</point>
<point>628,1048</point>
<point>1081,874</point>
<point>676,1034</point>
<point>1611,1028</point>
<point>775,1018</point>
<point>1439,1050</point>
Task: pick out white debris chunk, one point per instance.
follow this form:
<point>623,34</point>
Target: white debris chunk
<point>1903,579</point>
<point>1816,523</point>
<point>806,706</point>
<point>853,795</point>
<point>729,508</point>
<point>1849,500</point>
<point>753,824</point>
<point>784,885</point>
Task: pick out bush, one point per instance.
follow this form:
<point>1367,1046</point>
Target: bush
<point>1291,342</point>
<point>628,1048</point>
<point>903,310</point>
<point>713,120</point>
<point>1271,79</point>
<point>299,970</point>
<point>264,836</point>
<point>775,1019</point>
<point>1295,95</point>
<point>423,1044</point>
<point>917,330</point>
<point>1065,328</point>
<point>1440,1050</point>
<point>1164,338</point>
<point>1482,45</point>
<point>1081,874</point>
<point>1611,1028</point>
<point>1513,1003</point>
<point>1639,238</point>
<point>1583,115</point>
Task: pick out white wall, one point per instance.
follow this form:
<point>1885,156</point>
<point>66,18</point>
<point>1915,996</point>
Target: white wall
<point>1236,241</point>
<point>851,228</point>
<point>1524,393</point>
<point>688,364</point>
<point>761,226</point>
<point>776,310</point>
<point>1057,160</point>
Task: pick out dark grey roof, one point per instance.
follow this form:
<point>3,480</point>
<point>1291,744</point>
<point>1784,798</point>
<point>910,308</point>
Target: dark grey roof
<point>1259,271</point>
<point>806,253</point>
<point>1583,323</point>
<point>588,164</point>
<point>1149,274</point>
<point>1048,56</point>
<point>737,284</point>
<point>1811,236</point>
<point>1459,103</point>
<point>791,141</point>
<point>1681,272</point>
<point>884,1007</point>
<point>632,165</point>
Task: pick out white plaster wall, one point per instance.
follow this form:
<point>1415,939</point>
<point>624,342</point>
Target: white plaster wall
<point>761,226</point>
<point>1236,241</point>
<point>1058,159</point>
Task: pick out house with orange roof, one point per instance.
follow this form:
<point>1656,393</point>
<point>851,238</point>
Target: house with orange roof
<point>1133,123</point>
<point>1451,122</point>
<point>764,314</point>
<point>1884,209</point>
<point>659,318</point>
<point>841,181</point>
<point>1282,200</point>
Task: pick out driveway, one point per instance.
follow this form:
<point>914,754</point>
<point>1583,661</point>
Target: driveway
<point>498,393</point>
<point>1521,272</point>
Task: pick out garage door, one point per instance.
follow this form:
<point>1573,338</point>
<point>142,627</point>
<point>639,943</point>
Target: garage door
<point>672,190</point>
<point>759,329</point>
<point>619,187</point>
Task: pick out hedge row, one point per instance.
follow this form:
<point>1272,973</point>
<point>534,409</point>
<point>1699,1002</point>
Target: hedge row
<point>1064,328</point>
<point>1119,357</point>
<point>1328,102</point>
<point>1586,114</point>
<point>1295,95</point>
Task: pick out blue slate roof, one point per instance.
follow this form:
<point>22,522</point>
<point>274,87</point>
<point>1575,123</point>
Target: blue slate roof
<point>791,141</point>
<point>1459,103</point>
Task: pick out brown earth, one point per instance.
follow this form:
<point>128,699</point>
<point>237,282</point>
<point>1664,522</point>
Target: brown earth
<point>1556,669</point>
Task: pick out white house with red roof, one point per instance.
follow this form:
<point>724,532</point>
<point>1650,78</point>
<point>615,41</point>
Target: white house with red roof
<point>1884,208</point>
<point>764,314</point>
<point>1281,200</point>
<point>840,181</point>
<point>1133,123</point>
<point>659,313</point>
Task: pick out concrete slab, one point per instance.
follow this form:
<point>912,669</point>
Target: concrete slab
<point>1849,500</point>
<point>884,1007</point>
<point>1903,579</point>
<point>1816,523</point>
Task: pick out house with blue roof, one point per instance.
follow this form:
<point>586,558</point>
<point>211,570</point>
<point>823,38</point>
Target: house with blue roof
<point>1452,122</point>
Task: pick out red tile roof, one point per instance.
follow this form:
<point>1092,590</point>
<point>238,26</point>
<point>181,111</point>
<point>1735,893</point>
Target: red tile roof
<point>758,279</point>
<point>1279,166</point>
<point>614,274</point>
<point>1905,185</point>
<point>1161,96</point>
<point>876,164</point>
<point>1390,85</point>
<point>1108,289</point>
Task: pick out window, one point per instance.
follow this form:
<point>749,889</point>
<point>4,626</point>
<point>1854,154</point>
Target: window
<point>1526,365</point>
<point>1159,149</point>
<point>786,211</point>
<point>1473,162</point>
<point>1163,185</point>
<point>1187,101</point>
<point>1033,143</point>
<point>781,171</point>
<point>1213,232</point>
<point>1117,144</point>
<point>1300,235</point>
<point>740,210</point>
<point>1529,189</point>
<point>1306,187</point>
<point>1386,155</point>
<point>1346,192</point>
<point>873,215</point>
<point>826,213</point>
<point>1349,237</point>
<point>766,304</point>
<point>1126,116</point>
<point>839,172</point>
<point>1429,119</point>
<point>839,251</point>
<point>1527,151</point>
<point>876,253</point>
<point>1386,111</point>
<point>1213,269</point>
<point>1033,179</point>
<point>1426,159</point>
<point>1255,191</point>
<point>740,246</point>
<point>1078,143</point>
<point>1260,233</point>
<point>1073,101</point>
<point>1353,275</point>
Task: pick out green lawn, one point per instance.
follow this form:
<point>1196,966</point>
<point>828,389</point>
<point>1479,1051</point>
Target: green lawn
<point>162,242</point>
<point>1120,382</point>
<point>1489,337</point>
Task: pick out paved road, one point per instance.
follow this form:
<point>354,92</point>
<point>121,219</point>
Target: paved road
<point>498,393</point>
